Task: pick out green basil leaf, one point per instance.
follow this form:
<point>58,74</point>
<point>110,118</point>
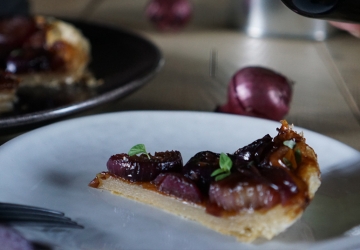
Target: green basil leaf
<point>225,162</point>
<point>289,143</point>
<point>287,162</point>
<point>298,156</point>
<point>138,149</point>
<point>222,176</point>
<point>217,172</point>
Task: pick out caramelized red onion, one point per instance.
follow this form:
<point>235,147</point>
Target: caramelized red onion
<point>141,168</point>
<point>249,189</point>
<point>23,46</point>
<point>13,32</point>
<point>281,179</point>
<point>200,167</point>
<point>28,60</point>
<point>253,153</point>
<point>243,191</point>
<point>179,186</point>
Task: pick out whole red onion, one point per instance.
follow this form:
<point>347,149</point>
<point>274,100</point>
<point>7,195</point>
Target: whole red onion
<point>169,15</point>
<point>260,92</point>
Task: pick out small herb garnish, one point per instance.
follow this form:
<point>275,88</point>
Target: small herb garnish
<point>298,156</point>
<point>290,143</point>
<point>287,162</point>
<point>225,167</point>
<point>138,149</point>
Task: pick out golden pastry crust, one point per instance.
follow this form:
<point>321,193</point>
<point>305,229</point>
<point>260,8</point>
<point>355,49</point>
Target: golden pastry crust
<point>246,225</point>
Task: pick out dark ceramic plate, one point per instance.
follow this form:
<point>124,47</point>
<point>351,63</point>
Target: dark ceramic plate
<point>123,60</point>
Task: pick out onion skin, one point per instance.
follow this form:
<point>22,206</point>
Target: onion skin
<point>169,15</point>
<point>259,92</point>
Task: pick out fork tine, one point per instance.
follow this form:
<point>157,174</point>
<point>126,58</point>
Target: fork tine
<point>29,212</point>
<point>40,222</point>
<point>29,215</point>
<point>4,207</point>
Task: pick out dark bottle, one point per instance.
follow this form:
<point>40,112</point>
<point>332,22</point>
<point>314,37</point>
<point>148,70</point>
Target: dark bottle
<point>336,10</point>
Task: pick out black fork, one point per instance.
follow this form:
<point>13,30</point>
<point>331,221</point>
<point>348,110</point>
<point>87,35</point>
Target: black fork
<point>15,214</point>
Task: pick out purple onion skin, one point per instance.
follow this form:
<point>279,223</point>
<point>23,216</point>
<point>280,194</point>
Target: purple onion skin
<point>169,15</point>
<point>259,92</point>
<point>141,168</point>
<point>178,185</point>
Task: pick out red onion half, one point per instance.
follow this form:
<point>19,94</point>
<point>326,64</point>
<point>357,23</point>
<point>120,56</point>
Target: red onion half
<point>260,92</point>
<point>169,15</point>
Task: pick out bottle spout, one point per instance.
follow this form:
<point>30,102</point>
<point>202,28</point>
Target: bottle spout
<point>311,7</point>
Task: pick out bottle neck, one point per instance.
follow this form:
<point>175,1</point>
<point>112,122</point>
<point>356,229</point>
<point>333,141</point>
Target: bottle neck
<point>337,10</point>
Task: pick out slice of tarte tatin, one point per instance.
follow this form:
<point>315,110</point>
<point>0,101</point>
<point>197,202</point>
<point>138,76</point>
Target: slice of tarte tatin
<point>256,192</point>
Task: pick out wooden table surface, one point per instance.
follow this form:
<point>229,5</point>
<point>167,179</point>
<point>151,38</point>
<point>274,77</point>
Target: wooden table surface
<point>326,74</point>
